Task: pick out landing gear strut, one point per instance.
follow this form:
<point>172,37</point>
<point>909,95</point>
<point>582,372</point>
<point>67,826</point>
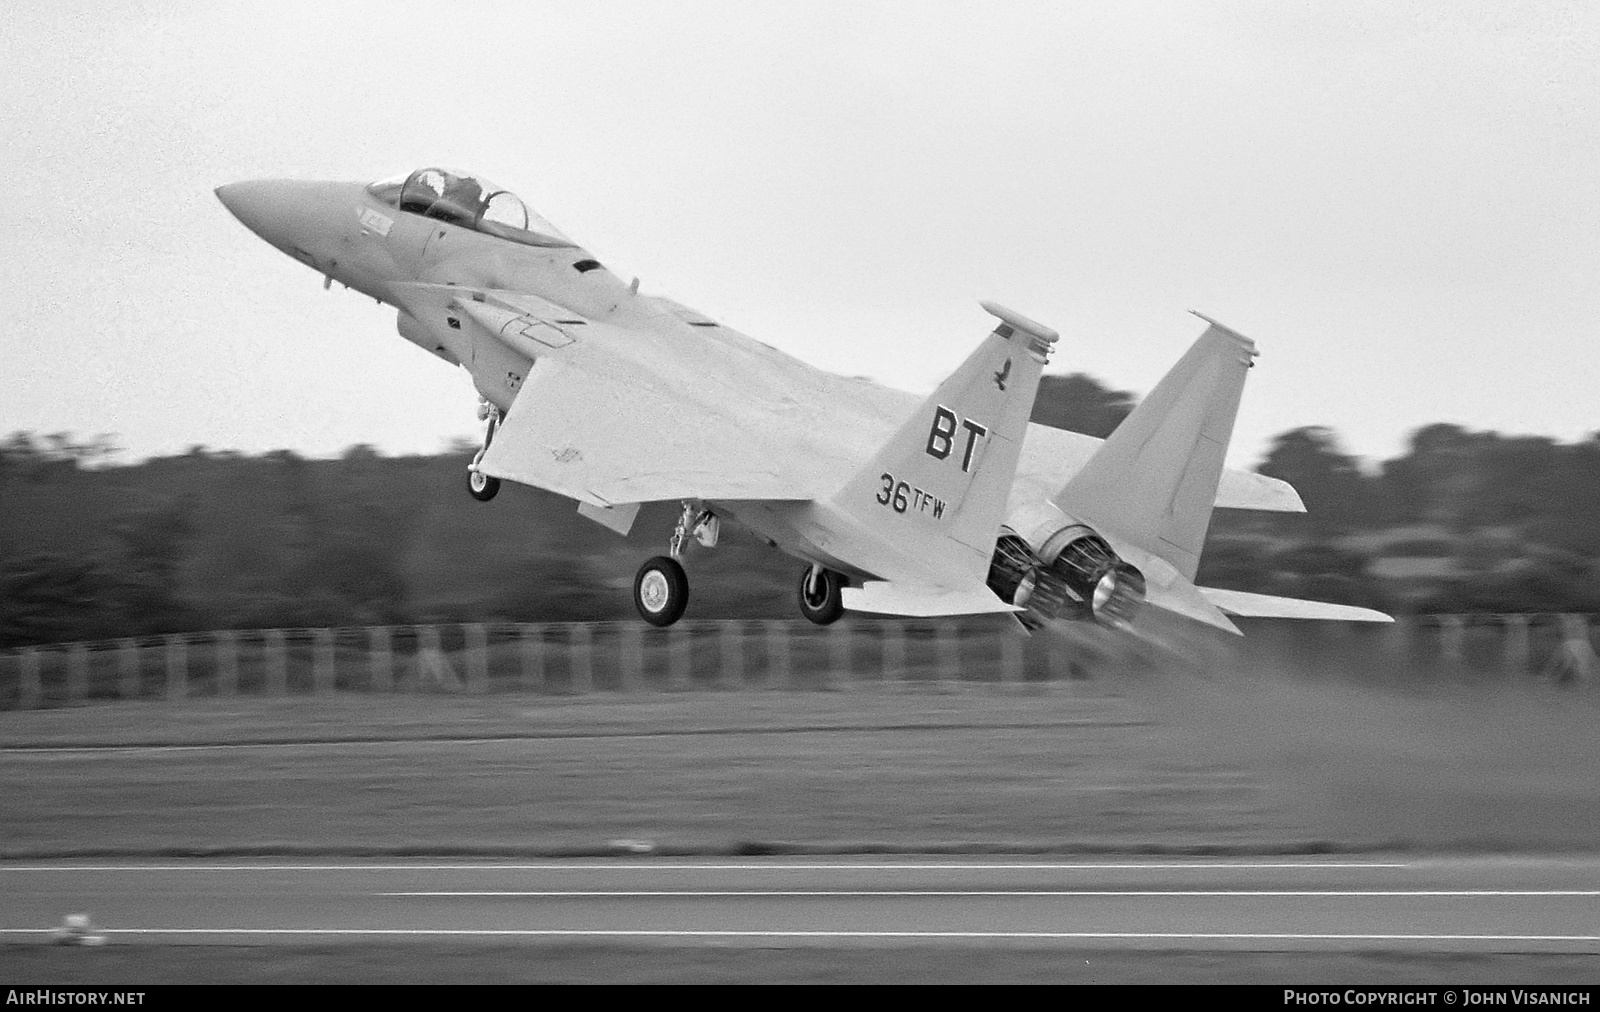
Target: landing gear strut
<point>482,486</point>
<point>821,595</point>
<point>701,523</point>
<point>661,590</point>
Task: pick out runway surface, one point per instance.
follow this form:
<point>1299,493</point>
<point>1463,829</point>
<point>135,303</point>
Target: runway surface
<point>1479,904</point>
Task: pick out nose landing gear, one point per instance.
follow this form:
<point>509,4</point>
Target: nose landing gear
<point>484,487</point>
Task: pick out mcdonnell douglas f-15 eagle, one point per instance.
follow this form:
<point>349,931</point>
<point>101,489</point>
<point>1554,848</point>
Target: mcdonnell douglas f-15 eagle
<point>951,505</point>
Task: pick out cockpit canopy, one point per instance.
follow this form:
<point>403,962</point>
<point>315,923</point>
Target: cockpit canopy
<point>471,202</point>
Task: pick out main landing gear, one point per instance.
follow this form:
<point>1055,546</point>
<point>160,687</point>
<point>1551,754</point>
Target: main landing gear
<point>661,590</point>
<point>821,597</point>
<point>484,487</point>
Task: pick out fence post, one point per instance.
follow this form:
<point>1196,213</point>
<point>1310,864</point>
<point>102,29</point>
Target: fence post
<point>31,689</point>
<point>1011,644</point>
<point>225,651</point>
<point>177,666</point>
<point>730,638</point>
<point>533,677</point>
<point>580,658</point>
<point>380,658</point>
<point>679,643</point>
<point>778,667</point>
<point>630,658</point>
<point>77,673</point>
<point>432,665</point>
<point>477,657</point>
<point>892,658</point>
<point>276,655</point>
<point>128,669</point>
<point>1574,660</point>
<point>1516,645</point>
<point>322,674</point>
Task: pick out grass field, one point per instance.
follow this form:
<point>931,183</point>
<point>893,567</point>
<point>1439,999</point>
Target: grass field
<point>1151,761</point>
<point>1155,763</point>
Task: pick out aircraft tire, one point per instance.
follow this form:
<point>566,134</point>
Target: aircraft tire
<point>661,591</point>
<point>483,487</point>
<point>828,604</point>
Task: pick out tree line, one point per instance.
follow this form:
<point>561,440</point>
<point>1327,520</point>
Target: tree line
<point>1461,521</point>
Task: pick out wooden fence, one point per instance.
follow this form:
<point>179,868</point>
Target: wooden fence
<point>734,654</point>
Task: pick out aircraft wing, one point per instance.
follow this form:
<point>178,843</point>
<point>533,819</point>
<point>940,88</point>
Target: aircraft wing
<point>616,437</point>
<point>1050,456</point>
<point>1246,605</point>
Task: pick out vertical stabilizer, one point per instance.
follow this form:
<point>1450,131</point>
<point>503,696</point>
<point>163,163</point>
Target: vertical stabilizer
<point>1153,482</point>
<point>937,489</point>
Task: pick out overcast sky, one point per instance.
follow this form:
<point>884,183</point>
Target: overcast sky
<point>1400,203</point>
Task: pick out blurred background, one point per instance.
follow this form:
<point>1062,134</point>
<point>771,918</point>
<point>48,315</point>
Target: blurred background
<point>1462,522</point>
<point>1398,204</point>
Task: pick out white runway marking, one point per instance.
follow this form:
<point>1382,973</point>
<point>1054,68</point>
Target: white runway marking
<point>216,746</point>
<point>1168,893</point>
<point>775,865</point>
<point>339,743</point>
<point>675,933</point>
<point>509,739</point>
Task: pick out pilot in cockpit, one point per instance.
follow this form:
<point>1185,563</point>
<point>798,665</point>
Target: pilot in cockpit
<point>470,202</point>
<point>461,202</point>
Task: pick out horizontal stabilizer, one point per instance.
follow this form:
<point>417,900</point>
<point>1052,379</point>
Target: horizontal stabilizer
<point>879,597</point>
<point>1246,605</point>
<point>1247,490</point>
<point>1167,588</point>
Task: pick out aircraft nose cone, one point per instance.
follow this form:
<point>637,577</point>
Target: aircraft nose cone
<point>257,203</point>
<point>307,219</point>
<point>230,194</point>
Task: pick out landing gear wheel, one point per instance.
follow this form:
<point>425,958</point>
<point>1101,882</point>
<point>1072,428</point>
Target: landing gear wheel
<point>482,486</point>
<point>661,591</point>
<point>821,597</point>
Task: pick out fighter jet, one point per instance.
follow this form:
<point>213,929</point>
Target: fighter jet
<point>954,504</point>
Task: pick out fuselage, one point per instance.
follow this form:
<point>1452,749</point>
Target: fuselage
<point>423,266</point>
<point>420,246</point>
<point>348,233</point>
